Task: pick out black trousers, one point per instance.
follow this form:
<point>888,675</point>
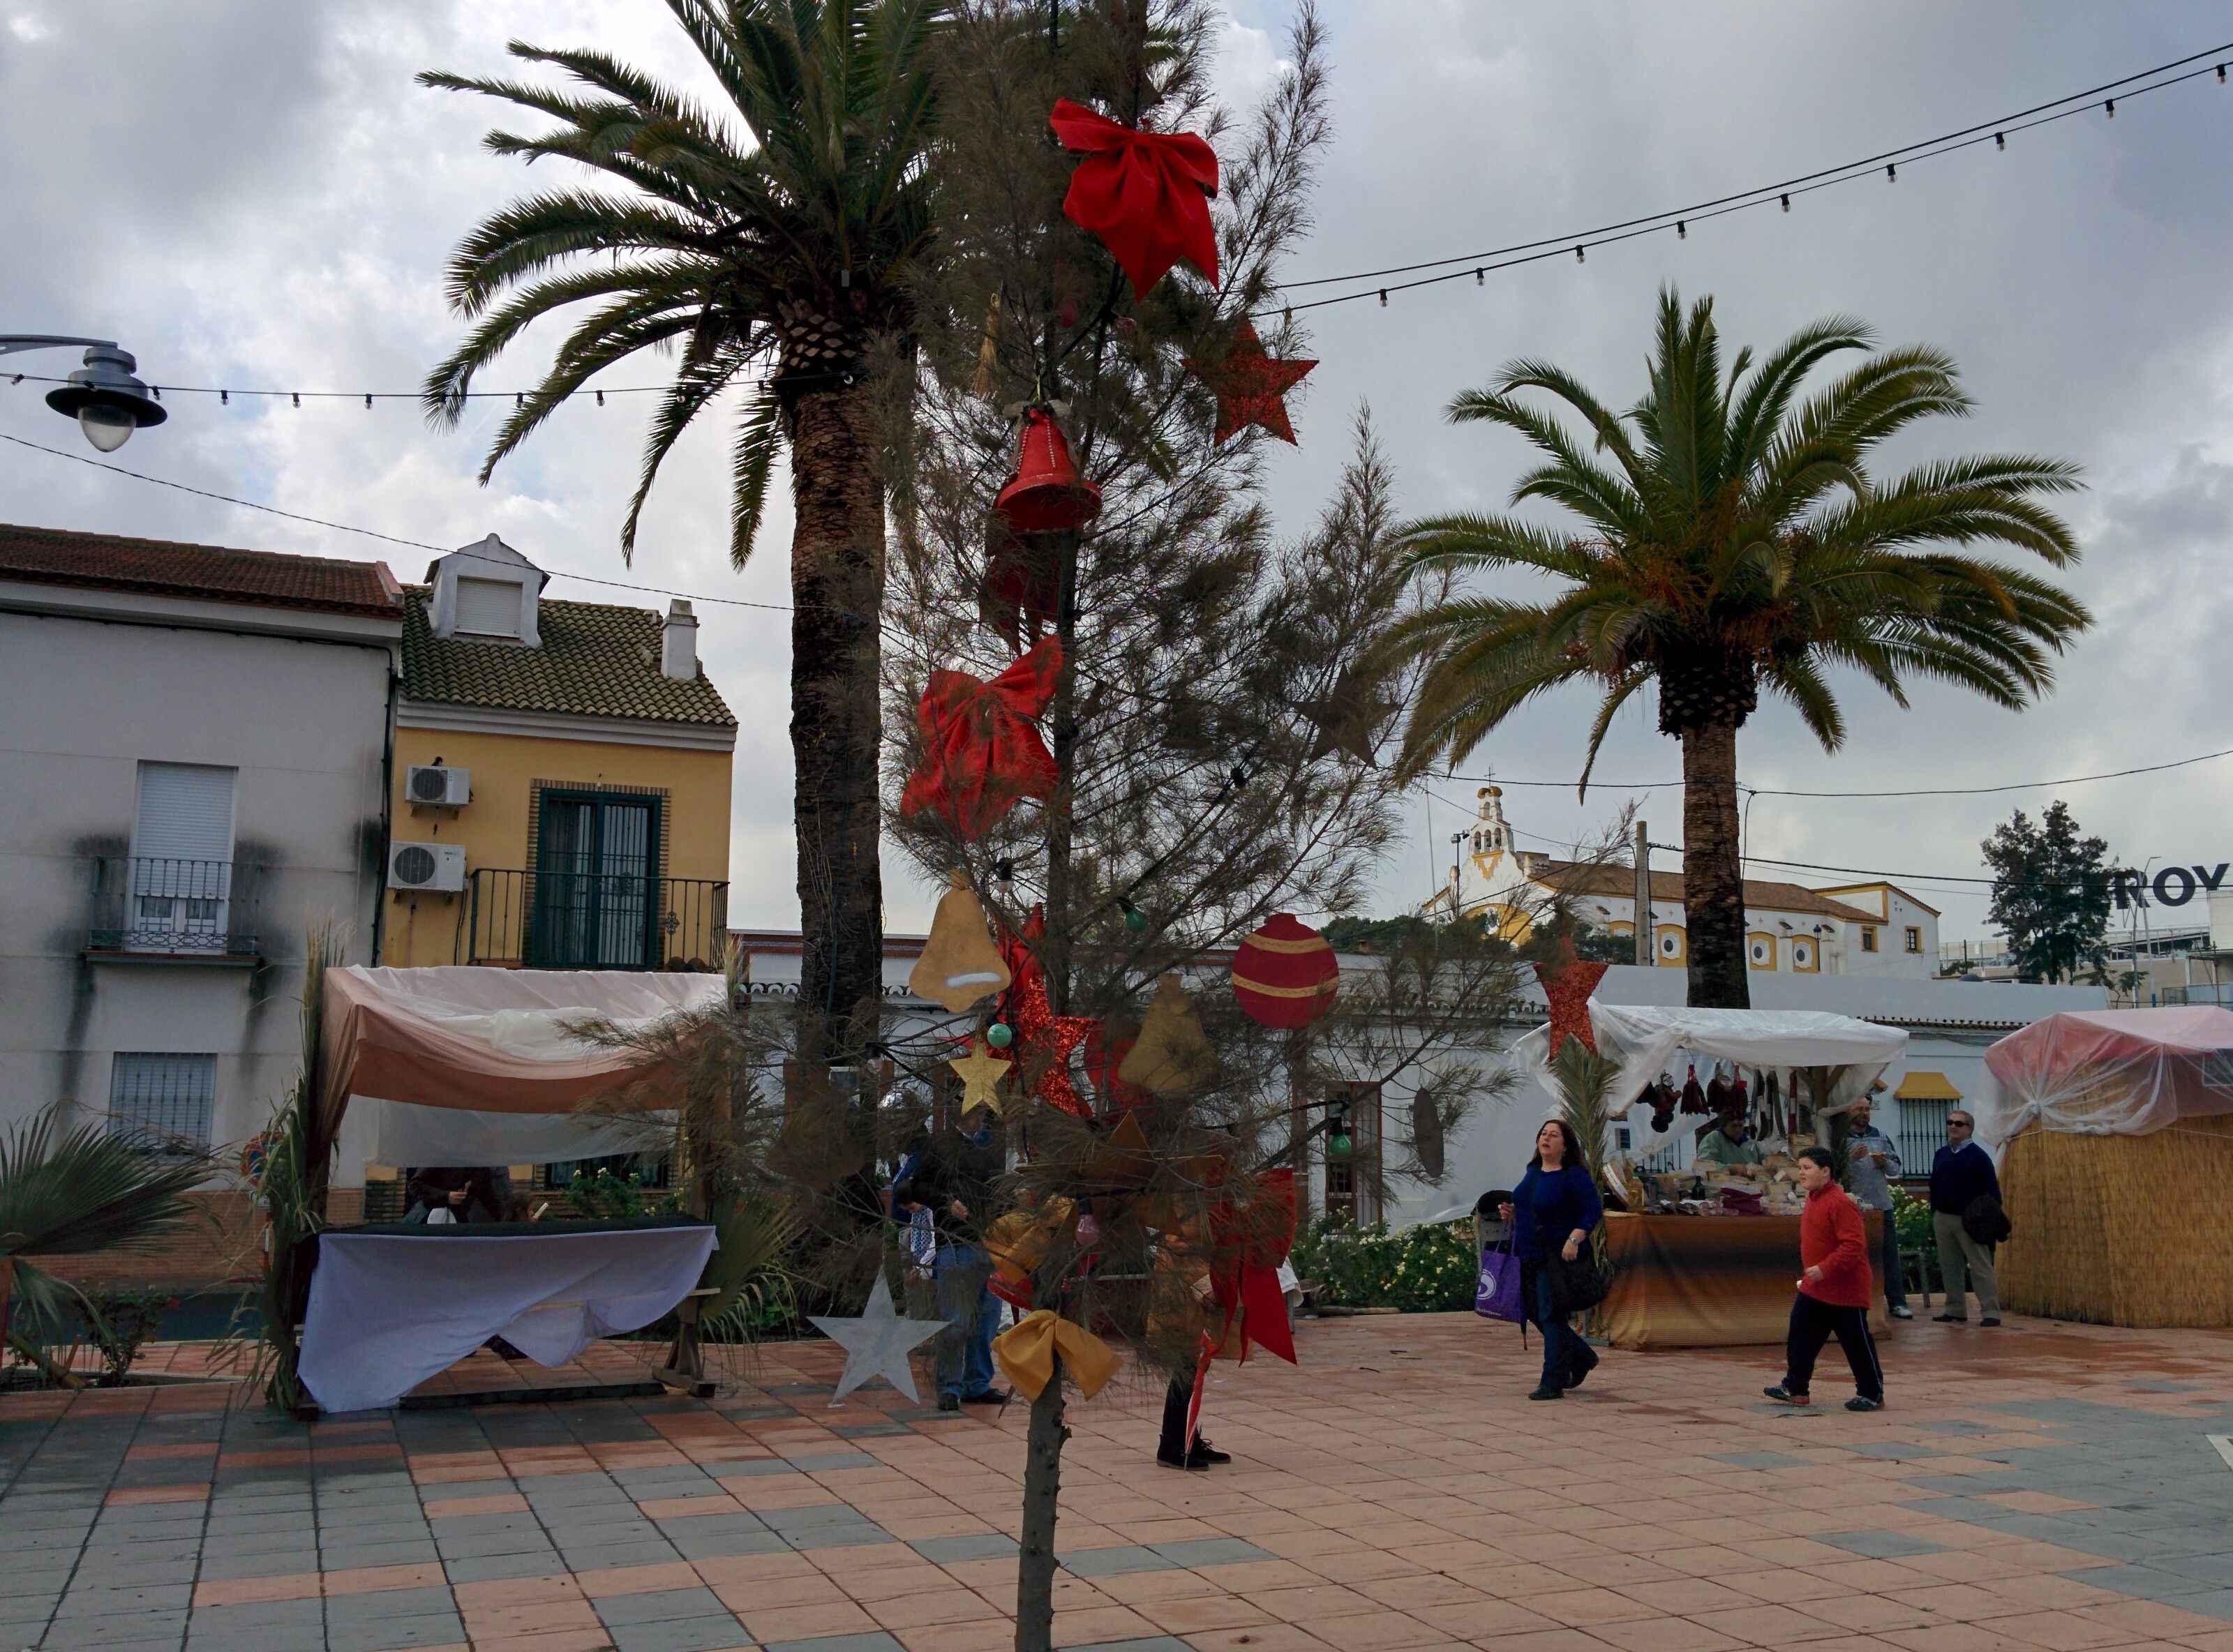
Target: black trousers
<point>1895,1281</point>
<point>1812,1323</point>
<point>1177,1399</point>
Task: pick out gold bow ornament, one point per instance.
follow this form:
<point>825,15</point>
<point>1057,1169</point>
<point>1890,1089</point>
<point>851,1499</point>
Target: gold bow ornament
<point>1026,1349</point>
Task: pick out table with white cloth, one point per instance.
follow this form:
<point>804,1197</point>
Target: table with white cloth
<point>395,1303</point>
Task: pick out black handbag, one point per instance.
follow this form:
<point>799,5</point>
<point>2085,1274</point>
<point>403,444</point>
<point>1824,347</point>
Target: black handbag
<point>1985,1221</point>
<point>1578,1284</point>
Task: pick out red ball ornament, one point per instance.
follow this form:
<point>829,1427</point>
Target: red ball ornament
<point>1285,974</point>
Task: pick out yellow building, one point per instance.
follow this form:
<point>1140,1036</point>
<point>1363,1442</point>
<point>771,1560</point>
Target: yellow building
<point>561,786</point>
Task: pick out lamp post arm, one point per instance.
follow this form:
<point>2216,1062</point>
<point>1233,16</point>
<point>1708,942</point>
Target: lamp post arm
<point>11,342</point>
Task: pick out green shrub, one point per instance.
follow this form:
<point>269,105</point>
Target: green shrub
<point>121,1321</point>
<point>1913,1216</point>
<point>1428,1268</point>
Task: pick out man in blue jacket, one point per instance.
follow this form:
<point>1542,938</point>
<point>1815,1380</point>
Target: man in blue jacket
<point>1961,1172</point>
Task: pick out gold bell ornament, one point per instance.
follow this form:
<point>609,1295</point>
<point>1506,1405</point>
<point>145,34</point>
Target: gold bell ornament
<point>960,965</point>
<point>1172,1056</point>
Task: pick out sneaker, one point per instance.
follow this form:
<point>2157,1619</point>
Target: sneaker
<point>1186,1460</point>
<point>1901,1311</point>
<point>1989,1319</point>
<point>1950,1319</point>
<point>1208,1453</point>
<point>1783,1396</point>
<point>949,1403</point>
<point>1546,1392</point>
<point>1860,1403</point>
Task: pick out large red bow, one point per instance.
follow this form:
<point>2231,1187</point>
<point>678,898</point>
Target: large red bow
<point>980,750</point>
<point>1146,194</point>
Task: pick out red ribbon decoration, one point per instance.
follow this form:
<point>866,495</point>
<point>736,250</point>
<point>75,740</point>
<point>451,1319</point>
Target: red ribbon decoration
<point>980,750</point>
<point>1146,194</point>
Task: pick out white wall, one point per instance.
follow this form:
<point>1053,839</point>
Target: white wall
<point>83,702</point>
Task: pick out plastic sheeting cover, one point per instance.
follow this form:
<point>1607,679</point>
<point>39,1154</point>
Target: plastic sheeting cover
<point>2111,1072</point>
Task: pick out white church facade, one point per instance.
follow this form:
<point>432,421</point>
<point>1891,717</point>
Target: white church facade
<point>1873,928</point>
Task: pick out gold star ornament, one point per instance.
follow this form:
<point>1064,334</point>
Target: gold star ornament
<point>981,1071</point>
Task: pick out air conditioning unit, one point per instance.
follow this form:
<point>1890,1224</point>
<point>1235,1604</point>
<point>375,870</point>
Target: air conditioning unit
<point>443,788</point>
<point>440,868</point>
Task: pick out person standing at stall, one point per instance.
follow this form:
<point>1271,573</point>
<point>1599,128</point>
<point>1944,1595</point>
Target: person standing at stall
<point>1551,1213</point>
<point>1833,1291</point>
<point>952,1178</point>
<point>1872,1165</point>
<point>1961,1173</point>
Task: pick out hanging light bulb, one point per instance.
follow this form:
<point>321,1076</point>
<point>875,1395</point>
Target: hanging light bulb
<point>297,397</point>
<point>1786,202</point>
<point>1479,279</point>
<point>2000,140</point>
<point>1578,257</point>
<point>2111,106</point>
<point>1384,298</point>
<point>224,398</point>
<point>1893,172</point>
<point>601,398</point>
<point>1682,231</point>
<point>368,399</point>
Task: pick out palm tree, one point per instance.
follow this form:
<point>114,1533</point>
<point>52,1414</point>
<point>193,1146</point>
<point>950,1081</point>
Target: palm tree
<point>778,230</point>
<point>1733,540</point>
<point>71,1193</point>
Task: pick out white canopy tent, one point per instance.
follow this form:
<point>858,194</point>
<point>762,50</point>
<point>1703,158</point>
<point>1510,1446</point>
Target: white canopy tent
<point>1646,1039</point>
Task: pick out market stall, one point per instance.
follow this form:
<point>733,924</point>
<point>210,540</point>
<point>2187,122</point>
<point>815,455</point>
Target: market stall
<point>2115,1133</point>
<point>464,1066</point>
<point>1707,1256</point>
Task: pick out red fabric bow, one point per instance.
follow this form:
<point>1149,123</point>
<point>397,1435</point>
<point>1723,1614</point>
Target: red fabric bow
<point>1146,194</point>
<point>980,750</point>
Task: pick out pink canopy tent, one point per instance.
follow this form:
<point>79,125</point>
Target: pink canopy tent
<point>2112,1072</point>
<point>470,1065</point>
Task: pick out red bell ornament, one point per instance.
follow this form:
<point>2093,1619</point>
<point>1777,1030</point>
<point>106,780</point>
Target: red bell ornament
<point>1046,494</point>
<point>1285,974</point>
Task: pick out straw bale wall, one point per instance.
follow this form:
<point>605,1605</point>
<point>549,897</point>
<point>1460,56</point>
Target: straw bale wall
<point>2121,1230</point>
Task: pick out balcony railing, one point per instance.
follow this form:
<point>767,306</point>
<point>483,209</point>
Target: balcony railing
<point>154,905</point>
<point>591,920</point>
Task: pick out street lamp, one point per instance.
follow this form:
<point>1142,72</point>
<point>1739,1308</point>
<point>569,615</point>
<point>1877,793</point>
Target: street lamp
<point>105,398</point>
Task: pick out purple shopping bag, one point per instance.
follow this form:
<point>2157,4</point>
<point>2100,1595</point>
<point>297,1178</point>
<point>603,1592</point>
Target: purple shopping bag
<point>1498,1296</point>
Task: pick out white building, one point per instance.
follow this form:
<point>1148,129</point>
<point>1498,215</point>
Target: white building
<point>191,746</point>
<point>1867,928</point>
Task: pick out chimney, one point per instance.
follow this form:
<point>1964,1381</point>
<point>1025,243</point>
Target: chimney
<point>678,646</point>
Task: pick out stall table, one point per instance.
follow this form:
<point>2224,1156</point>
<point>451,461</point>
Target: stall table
<point>393,1304</point>
<point>1711,1281</point>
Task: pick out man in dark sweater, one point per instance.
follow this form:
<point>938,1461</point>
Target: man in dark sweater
<point>952,1179</point>
<point>1961,1173</point>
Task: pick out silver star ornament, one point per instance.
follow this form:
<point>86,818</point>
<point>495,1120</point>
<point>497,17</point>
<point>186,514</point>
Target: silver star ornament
<point>876,1343</point>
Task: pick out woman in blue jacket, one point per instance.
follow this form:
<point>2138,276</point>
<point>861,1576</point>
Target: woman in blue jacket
<point>1554,1207</point>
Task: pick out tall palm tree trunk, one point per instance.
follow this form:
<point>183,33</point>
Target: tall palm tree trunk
<point>1713,869</point>
<point>837,591</point>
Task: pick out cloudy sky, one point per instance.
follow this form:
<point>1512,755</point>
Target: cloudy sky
<point>253,192</point>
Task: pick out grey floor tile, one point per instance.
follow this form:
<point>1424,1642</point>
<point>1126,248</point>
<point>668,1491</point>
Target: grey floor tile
<point>431,1600</point>
<point>305,1615</point>
<point>711,1634</point>
<point>720,1545</point>
<point>1880,1545</point>
<point>1760,1460</point>
<point>97,1599</point>
<point>260,1563</point>
<point>1151,1643</point>
<point>1895,1451</point>
<point>831,1461</point>
<point>754,1468</point>
<point>151,1628</point>
<point>494,1543</point>
<point>598,1557</point>
<point>1212,1551</point>
<point>395,1633</point>
<point>987,1545</point>
<point>1110,1563</point>
<point>874,1640</point>
<point>339,1557</point>
<point>657,1606</point>
<point>480,1568</point>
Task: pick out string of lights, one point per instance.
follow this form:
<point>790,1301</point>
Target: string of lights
<point>1911,791</point>
<point>2215,61</point>
<point>1885,163</point>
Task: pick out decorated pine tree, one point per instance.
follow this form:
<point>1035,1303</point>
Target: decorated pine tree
<point>1135,724</point>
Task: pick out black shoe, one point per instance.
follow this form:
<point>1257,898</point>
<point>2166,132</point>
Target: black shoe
<point>1783,1396</point>
<point>1209,1454</point>
<point>1576,1376</point>
<point>1546,1392</point>
<point>1861,1402</point>
<point>1188,1461</point>
<point>949,1403</point>
<point>1901,1311</point>
<point>988,1396</point>
<point>1989,1319</point>
<point>1950,1319</point>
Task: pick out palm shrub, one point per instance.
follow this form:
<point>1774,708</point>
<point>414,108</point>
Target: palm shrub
<point>74,1192</point>
<point>1732,539</point>
<point>777,230</point>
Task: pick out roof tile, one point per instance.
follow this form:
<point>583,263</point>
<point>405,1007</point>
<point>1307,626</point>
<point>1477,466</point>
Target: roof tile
<point>1578,878</point>
<point>595,660</point>
<point>216,573</point>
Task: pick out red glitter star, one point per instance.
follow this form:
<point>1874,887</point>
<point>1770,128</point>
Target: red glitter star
<point>1044,1039</point>
<point>1568,982</point>
<point>1250,386</point>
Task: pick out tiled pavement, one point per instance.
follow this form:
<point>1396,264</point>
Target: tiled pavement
<point>2038,1487</point>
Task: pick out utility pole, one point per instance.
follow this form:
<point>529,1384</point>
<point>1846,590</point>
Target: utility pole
<point>1646,947</point>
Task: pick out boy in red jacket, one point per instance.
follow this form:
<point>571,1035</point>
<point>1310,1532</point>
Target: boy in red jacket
<point>1835,1294</point>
